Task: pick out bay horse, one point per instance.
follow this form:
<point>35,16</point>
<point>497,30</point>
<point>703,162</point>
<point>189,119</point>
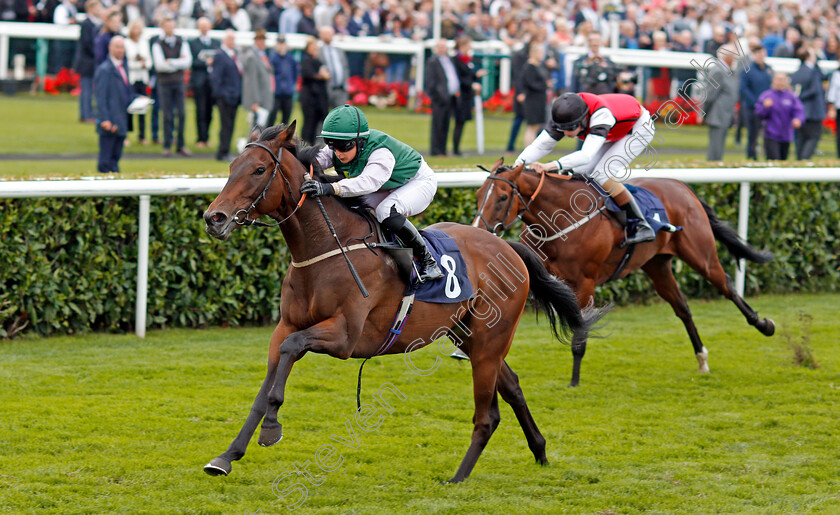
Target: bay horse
<point>323,311</point>
<point>580,243</point>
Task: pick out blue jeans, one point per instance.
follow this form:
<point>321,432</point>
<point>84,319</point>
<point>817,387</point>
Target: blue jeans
<point>86,99</point>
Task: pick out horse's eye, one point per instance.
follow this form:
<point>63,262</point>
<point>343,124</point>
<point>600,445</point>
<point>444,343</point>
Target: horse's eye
<point>259,171</point>
<point>503,198</point>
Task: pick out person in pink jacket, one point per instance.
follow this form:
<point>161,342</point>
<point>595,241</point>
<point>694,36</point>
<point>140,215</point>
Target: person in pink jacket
<point>782,112</point>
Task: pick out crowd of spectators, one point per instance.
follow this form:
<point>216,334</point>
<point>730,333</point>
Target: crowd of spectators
<point>776,28</point>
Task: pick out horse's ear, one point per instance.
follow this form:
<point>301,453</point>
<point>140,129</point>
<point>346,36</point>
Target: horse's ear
<point>497,164</point>
<point>518,169</point>
<point>289,132</point>
<point>255,134</point>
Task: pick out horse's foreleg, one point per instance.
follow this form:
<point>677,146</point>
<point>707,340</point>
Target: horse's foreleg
<point>659,270</point>
<point>511,392</point>
<point>486,418</point>
<point>221,465</point>
<point>329,337</point>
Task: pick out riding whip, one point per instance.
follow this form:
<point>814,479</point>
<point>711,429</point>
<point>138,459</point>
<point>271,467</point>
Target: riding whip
<point>353,272</point>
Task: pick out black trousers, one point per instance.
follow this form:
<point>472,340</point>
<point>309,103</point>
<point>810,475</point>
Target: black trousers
<point>313,116</point>
<point>441,115</point>
<point>110,151</point>
<point>172,105</point>
<point>227,117</point>
<point>204,101</point>
<point>282,104</point>
<point>753,122</point>
<point>457,133</point>
<point>776,150</point>
<point>140,89</point>
<point>807,138</point>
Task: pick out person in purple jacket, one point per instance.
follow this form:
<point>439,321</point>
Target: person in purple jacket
<point>782,112</point>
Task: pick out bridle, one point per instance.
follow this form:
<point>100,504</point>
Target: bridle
<point>245,220</point>
<point>501,227</point>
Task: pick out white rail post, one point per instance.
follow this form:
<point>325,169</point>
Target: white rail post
<point>479,124</point>
<point>743,224</point>
<point>4,56</point>
<point>142,267</point>
<point>419,76</point>
<point>504,75</point>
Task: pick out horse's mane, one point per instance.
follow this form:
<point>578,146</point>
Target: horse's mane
<point>306,154</point>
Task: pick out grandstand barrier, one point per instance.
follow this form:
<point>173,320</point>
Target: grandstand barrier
<point>145,188</point>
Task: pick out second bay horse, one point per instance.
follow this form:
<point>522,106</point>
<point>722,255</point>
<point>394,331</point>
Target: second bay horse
<point>580,243</point>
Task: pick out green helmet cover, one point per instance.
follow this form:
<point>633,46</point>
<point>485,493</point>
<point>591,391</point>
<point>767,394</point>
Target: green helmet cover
<point>345,123</point>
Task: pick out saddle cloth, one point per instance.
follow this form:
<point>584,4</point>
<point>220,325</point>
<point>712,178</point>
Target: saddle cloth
<point>455,284</point>
<point>651,207</point>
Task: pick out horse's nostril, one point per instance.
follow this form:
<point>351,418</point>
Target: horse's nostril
<point>215,218</point>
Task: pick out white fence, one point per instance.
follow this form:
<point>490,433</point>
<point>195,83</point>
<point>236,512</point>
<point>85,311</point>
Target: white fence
<point>144,189</point>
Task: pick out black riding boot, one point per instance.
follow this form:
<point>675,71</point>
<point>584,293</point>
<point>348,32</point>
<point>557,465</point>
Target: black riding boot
<point>428,269</point>
<point>644,232</point>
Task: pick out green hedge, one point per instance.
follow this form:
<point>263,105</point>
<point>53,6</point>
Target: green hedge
<point>69,265</point>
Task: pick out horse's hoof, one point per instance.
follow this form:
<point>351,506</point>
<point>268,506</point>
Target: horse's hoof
<point>767,327</point>
<point>218,467</point>
<point>573,384</point>
<point>703,361</point>
<point>270,435</point>
<point>542,461</point>
<point>453,481</point>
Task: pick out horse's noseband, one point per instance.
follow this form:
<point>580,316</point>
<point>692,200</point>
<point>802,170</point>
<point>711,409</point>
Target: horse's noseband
<point>501,227</point>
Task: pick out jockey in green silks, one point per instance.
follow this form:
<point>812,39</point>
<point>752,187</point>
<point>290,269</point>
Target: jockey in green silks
<point>393,177</point>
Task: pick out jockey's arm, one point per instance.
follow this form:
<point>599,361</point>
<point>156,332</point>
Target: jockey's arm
<point>542,145</point>
<point>377,172</point>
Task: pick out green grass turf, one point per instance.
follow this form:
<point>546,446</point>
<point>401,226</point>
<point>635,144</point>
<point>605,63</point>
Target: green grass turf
<point>45,125</point>
<point>106,423</point>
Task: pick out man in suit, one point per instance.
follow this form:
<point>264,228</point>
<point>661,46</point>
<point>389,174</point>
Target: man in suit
<point>807,84</point>
<point>84,63</point>
<point>790,45</point>
<point>172,58</point>
<point>336,62</point>
<point>285,81</point>
<point>593,72</point>
<point>755,80</point>
<point>113,95</point>
<point>721,86</point>
<point>226,82</point>
<point>202,49</point>
<point>257,79</point>
<point>443,86</point>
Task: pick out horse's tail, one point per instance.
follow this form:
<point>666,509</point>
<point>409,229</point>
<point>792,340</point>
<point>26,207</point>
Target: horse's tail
<point>727,235</point>
<point>554,298</point>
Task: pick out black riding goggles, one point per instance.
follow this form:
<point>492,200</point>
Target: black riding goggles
<point>342,145</point>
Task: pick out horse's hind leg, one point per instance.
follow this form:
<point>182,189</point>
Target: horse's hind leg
<point>508,386</point>
<point>659,270</point>
<point>709,267</point>
<point>585,291</point>
<point>485,373</point>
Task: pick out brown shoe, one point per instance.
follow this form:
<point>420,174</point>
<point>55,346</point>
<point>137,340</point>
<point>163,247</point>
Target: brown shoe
<point>166,152</point>
<point>184,152</point>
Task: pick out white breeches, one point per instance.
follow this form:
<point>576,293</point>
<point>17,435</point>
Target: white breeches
<point>613,159</point>
<point>412,198</point>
